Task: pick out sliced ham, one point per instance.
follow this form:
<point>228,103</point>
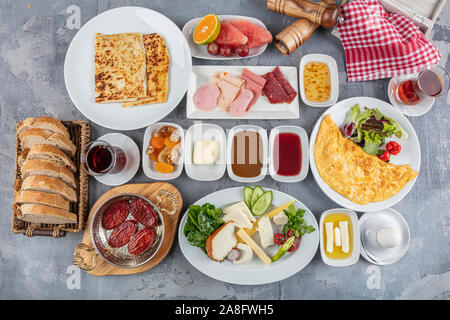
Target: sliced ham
<point>239,106</point>
<point>254,83</point>
<point>205,98</point>
<point>229,88</point>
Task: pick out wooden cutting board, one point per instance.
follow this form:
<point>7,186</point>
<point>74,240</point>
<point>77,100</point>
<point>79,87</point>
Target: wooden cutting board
<point>85,255</point>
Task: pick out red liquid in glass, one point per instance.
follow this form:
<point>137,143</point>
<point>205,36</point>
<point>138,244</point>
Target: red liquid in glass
<point>412,91</point>
<point>287,155</point>
<point>99,158</point>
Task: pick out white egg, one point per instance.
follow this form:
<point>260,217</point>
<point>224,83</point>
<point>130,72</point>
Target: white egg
<point>388,237</point>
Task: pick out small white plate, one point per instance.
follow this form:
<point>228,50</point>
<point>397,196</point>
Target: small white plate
<point>415,110</point>
<point>262,109</point>
<point>131,167</point>
<point>356,241</point>
<point>332,66</point>
<point>369,224</point>
<point>263,133</point>
<point>304,153</point>
<point>201,51</point>
<point>149,166</point>
<point>79,67</point>
<point>410,153</point>
<point>202,132</point>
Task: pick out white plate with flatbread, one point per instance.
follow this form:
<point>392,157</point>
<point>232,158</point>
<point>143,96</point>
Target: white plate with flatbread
<point>410,152</point>
<point>79,67</point>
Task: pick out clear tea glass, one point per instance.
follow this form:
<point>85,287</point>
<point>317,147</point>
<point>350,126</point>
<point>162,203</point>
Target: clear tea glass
<point>428,83</point>
<point>99,158</point>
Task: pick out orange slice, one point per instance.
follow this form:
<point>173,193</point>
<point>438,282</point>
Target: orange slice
<point>207,29</point>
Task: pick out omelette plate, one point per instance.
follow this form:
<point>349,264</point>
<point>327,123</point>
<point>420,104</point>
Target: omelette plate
<point>410,153</point>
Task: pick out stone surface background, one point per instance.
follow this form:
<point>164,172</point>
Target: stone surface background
<point>34,37</point>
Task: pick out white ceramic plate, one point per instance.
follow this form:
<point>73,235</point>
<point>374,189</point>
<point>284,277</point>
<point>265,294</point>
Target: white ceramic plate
<point>410,153</point>
<point>202,132</point>
<point>149,166</point>
<point>263,133</point>
<point>262,109</point>
<point>201,51</point>
<point>301,133</point>
<point>79,67</point>
<point>255,272</point>
<point>332,66</point>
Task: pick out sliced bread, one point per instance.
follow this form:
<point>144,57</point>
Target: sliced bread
<point>40,197</point>
<point>46,123</point>
<point>40,213</point>
<point>50,185</point>
<point>22,157</point>
<point>49,152</point>
<point>34,136</point>
<point>49,168</point>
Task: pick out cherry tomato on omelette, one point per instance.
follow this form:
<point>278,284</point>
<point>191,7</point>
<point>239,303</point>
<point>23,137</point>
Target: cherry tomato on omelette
<point>393,147</point>
<point>384,155</point>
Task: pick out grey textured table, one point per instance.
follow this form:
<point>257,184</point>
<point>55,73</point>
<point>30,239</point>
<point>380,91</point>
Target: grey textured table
<point>34,37</point>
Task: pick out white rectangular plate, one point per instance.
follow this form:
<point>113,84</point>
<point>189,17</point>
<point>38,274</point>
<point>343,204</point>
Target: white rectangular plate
<point>262,109</point>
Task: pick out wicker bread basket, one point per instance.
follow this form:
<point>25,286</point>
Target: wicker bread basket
<point>80,133</point>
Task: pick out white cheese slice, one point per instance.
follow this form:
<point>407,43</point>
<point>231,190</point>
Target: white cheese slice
<point>242,207</point>
<point>252,244</point>
<point>265,232</point>
<point>329,235</point>
<point>239,218</point>
<point>280,219</point>
<point>206,152</point>
<point>337,237</point>
<point>343,225</point>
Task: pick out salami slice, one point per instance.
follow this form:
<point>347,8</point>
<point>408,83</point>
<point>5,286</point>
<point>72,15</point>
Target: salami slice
<point>115,215</point>
<point>122,234</point>
<point>141,241</point>
<point>143,213</point>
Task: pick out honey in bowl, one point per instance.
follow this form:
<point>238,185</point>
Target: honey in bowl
<point>317,81</point>
<point>338,242</point>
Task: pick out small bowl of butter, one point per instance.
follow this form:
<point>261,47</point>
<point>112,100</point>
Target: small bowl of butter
<point>339,237</point>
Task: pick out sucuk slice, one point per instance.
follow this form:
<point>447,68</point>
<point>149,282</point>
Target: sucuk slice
<point>141,241</point>
<point>122,234</point>
<point>285,84</point>
<point>230,35</point>
<point>115,214</point>
<point>205,98</point>
<point>143,213</point>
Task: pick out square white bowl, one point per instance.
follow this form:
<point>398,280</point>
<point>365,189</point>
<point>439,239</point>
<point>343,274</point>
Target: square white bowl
<point>304,153</point>
<point>334,78</point>
<point>199,132</point>
<point>356,239</point>
<point>263,133</point>
<point>148,166</point>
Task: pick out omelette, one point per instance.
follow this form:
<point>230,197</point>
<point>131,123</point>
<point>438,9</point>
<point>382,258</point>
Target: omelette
<point>120,65</point>
<point>157,61</point>
<point>360,177</point>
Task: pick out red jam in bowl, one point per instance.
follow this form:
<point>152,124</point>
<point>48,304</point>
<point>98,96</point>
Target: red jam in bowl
<point>287,154</point>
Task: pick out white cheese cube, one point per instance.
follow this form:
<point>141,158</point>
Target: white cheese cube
<point>265,232</point>
<point>343,225</point>
<point>329,235</point>
<point>205,152</point>
<point>337,237</point>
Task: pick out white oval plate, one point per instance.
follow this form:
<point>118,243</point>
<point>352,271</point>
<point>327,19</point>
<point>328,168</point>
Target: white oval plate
<point>148,165</point>
<point>199,132</point>
<point>255,272</point>
<point>332,66</point>
<point>201,51</point>
<point>79,67</point>
<point>410,153</point>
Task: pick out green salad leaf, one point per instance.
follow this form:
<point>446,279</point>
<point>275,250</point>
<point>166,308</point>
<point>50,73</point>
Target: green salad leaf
<point>296,223</point>
<point>202,221</point>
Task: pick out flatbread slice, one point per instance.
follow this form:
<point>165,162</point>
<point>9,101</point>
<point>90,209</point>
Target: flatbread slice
<point>119,67</point>
<point>350,171</point>
<point>157,60</point>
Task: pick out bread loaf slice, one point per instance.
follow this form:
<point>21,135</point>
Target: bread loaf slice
<point>34,136</point>
<point>50,185</point>
<point>22,157</point>
<point>40,213</point>
<point>40,197</point>
<point>39,167</point>
<point>46,123</point>
<point>49,152</point>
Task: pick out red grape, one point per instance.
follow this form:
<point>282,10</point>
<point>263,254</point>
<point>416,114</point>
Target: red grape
<point>226,50</point>
<point>241,50</point>
<point>213,48</point>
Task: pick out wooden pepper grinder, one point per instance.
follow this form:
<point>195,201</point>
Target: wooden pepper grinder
<point>299,31</point>
<point>326,16</point>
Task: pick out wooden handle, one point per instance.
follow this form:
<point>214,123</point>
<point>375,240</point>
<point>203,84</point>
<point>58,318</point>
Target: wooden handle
<point>294,35</point>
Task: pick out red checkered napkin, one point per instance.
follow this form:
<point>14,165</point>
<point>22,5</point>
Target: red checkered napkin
<point>380,44</point>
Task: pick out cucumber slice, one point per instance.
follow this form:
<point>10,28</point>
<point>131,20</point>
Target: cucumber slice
<point>262,204</point>
<point>248,191</point>
<point>257,192</point>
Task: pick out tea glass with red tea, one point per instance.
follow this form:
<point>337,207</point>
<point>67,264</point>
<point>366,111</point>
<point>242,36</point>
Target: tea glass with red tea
<point>429,83</point>
<point>99,158</point>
